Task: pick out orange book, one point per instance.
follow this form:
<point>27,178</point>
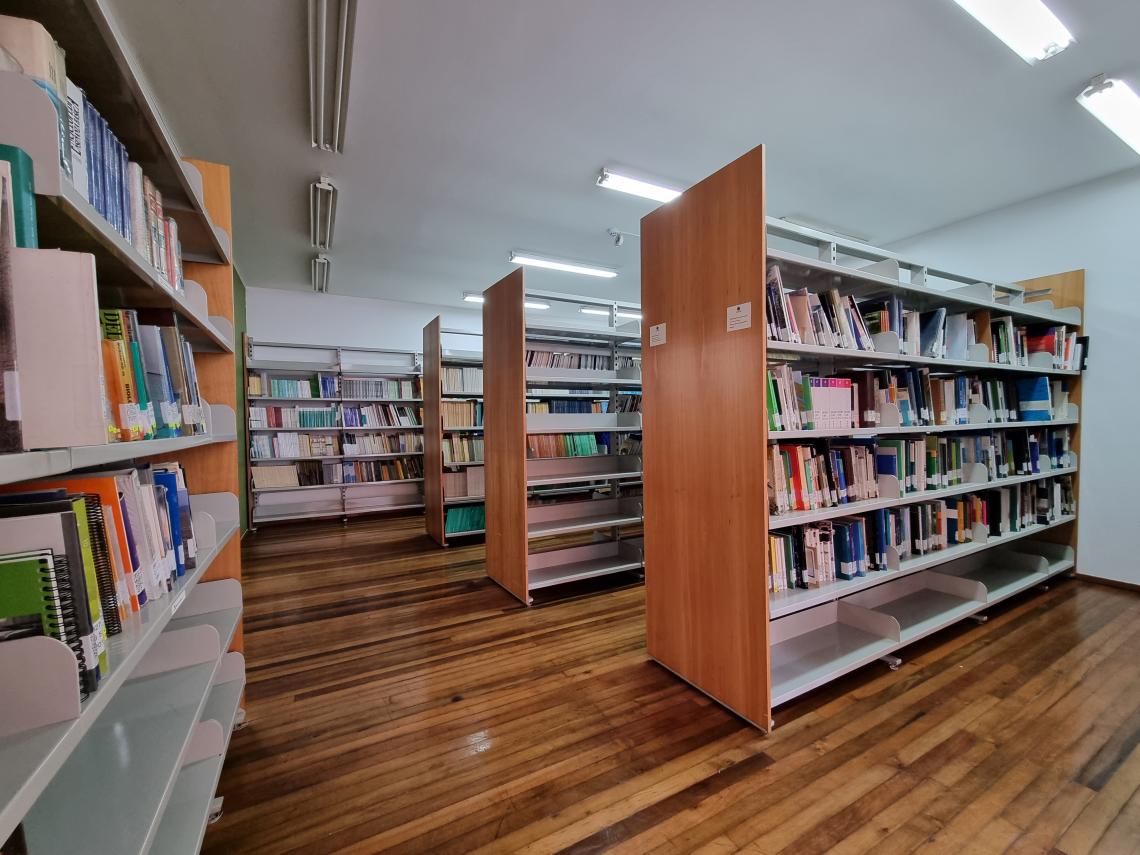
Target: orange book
<point>102,485</point>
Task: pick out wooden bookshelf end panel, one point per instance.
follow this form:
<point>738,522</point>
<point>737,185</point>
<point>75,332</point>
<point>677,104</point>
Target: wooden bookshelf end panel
<point>433,436</point>
<point>704,451</point>
<point>504,395</point>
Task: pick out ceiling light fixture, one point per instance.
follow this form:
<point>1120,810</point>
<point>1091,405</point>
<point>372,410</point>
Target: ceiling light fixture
<point>530,259</point>
<point>332,24</point>
<point>322,268</point>
<point>612,180</point>
<point>633,316</point>
<point>1027,27</point>
<point>472,297</point>
<point>1117,107</point>
<point>322,212</point>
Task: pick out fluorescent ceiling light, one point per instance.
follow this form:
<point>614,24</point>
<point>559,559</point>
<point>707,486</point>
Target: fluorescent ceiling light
<point>322,212</point>
<point>532,260</point>
<point>472,297</point>
<point>636,187</point>
<point>332,24</point>
<point>322,268</point>
<point>633,316</point>
<point>1117,107</point>
<point>1027,27</point>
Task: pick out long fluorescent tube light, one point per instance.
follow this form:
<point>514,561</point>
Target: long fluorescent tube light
<point>633,316</point>
<point>332,25</point>
<point>1117,107</point>
<point>532,260</point>
<point>322,212</point>
<point>636,187</point>
<point>322,269</point>
<point>472,297</point>
<point>1027,27</point>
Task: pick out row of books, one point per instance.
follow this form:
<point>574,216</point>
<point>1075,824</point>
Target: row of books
<point>932,462</point>
<point>150,379</point>
<point>461,413</point>
<point>464,483</point>
<point>403,442</point>
<point>628,404</point>
<point>814,554</point>
<point>368,387</point>
<point>629,444</point>
<point>294,445</point>
<point>589,360</point>
<point>83,552</point>
<point>304,473</point>
<point>567,406</point>
<point>292,417</point>
<point>465,518</point>
<point>467,379</point>
<point>374,471</point>
<point>381,415</point>
<point>803,317</point>
<point>798,401</point>
<point>317,386</point>
<point>545,445</point>
<point>830,319</point>
<point>462,449</point>
<point>808,477</point>
<point>313,473</point>
<point>91,157</point>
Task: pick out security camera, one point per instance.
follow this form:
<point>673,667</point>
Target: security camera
<point>618,237</point>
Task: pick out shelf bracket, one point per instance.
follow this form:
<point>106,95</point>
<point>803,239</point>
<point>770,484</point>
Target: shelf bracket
<point>979,619</point>
<point>215,810</point>
<point>892,662</point>
<point>239,719</point>
<point>827,252</point>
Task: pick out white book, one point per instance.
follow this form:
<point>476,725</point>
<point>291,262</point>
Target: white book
<point>77,132</point>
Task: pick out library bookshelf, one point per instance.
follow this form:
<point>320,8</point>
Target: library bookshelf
<point>361,449</point>
<point>541,482</point>
<point>154,733</point>
<point>453,435</point>
<point>721,612</point>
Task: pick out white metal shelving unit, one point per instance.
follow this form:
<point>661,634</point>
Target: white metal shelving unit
<point>336,499</point>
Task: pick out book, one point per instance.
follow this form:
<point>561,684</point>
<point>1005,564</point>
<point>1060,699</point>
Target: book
<point>51,521</point>
<point>77,136</point>
<point>11,435</point>
<point>63,399</point>
<point>21,195</point>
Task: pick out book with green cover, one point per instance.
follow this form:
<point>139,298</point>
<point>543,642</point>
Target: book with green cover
<point>23,195</point>
<point>30,597</point>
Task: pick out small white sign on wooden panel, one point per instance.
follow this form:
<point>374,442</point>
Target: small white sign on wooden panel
<point>740,317</point>
<point>656,335</point>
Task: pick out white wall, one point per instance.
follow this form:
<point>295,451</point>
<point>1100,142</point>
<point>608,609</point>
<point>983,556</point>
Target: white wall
<point>302,317</point>
<point>1095,226</point>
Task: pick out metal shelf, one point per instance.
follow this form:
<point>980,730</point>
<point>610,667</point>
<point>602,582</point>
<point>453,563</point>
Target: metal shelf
<point>865,357</point>
<point>29,761</point>
<point>794,518</point>
<point>798,599</point>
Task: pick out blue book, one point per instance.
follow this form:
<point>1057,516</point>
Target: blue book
<point>1034,400</point>
<point>125,193</point>
<point>169,480</point>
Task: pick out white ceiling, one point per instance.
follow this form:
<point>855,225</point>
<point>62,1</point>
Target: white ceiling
<point>477,126</point>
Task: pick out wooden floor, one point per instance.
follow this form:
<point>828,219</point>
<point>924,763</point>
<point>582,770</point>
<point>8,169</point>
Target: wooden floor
<point>400,702</point>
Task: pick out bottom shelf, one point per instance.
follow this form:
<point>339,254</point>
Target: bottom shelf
<point>812,647</point>
<point>561,566</point>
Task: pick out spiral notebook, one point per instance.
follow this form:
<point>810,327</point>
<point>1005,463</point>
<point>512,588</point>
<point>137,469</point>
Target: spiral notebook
<point>36,599</point>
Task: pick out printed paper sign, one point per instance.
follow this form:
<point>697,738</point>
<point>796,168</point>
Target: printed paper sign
<point>656,335</point>
<point>740,317</point>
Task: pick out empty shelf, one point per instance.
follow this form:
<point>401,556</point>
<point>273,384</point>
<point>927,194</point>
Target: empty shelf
<point>818,656</point>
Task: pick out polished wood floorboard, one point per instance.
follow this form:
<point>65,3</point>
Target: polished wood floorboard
<point>398,701</point>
